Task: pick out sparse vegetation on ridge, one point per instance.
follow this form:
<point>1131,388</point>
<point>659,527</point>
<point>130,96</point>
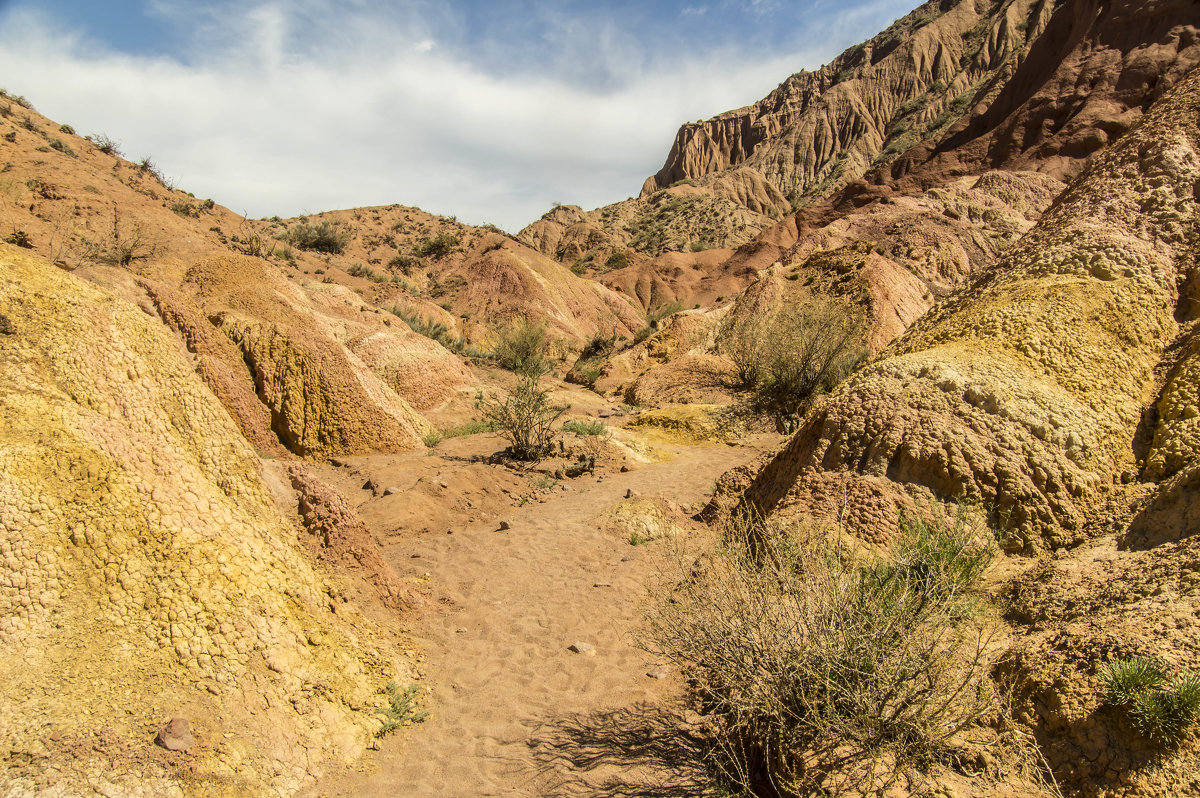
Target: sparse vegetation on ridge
<point>324,236</point>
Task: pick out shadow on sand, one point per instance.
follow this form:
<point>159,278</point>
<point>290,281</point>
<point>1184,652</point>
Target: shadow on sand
<point>642,750</point>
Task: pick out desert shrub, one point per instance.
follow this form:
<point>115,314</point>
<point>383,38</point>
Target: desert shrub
<point>661,312</point>
<point>61,146</point>
<point>432,438</point>
<point>617,260</point>
<point>521,347</point>
<point>789,358</point>
<point>437,247</point>
<point>10,136</point>
<point>1162,708</point>
<point>253,240</point>
<point>525,417</point>
<point>65,128</point>
<point>366,272</point>
<point>106,145</point>
<point>19,238</point>
<point>474,427</point>
<point>404,263</point>
<point>819,671</point>
<point>328,237</point>
<point>436,331</point>
<point>585,427</point>
<point>402,708</point>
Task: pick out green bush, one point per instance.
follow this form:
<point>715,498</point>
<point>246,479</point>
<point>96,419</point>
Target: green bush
<point>617,260</point>
<point>61,146</point>
<point>437,247</point>
<point>1162,708</point>
<point>814,666</point>
<point>64,128</point>
<point>525,417</point>
<point>328,237</point>
<point>521,347</point>
<point>404,263</point>
<point>402,708</point>
<point>585,427</point>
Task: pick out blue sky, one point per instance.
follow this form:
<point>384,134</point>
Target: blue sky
<point>486,110</point>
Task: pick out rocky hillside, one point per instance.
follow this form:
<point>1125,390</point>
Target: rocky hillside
<point>1056,390</point>
<point>952,89</point>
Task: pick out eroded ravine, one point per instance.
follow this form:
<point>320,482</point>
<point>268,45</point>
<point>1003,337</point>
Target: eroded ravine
<point>513,710</point>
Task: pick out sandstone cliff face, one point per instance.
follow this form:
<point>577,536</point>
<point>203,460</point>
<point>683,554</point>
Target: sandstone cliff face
<point>1026,390</point>
<point>956,88</point>
<point>145,571</point>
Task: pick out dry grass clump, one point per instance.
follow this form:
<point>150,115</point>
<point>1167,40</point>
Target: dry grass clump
<point>818,670</point>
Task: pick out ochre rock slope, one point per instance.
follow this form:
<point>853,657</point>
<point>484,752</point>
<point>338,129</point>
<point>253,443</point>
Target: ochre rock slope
<point>1027,388</point>
<point>145,571</point>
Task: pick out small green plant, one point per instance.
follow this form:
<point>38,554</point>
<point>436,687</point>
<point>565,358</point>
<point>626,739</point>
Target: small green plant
<point>1125,679</point>
<point>64,128</point>
<point>10,136</point>
<point>543,482</point>
<point>585,427</point>
<point>637,539</point>
<point>1162,708</point>
<point>401,710</point>
<point>474,427</point>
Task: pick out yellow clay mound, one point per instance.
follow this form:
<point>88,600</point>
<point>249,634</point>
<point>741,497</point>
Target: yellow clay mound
<point>145,572</point>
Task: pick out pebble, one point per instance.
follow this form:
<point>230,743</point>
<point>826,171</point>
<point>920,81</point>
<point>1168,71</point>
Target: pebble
<point>369,485</point>
<point>176,735</point>
<point>658,674</point>
<point>587,649</point>
<point>505,525</point>
<point>602,584</point>
<point>630,493</point>
<point>624,468</point>
<point>391,491</point>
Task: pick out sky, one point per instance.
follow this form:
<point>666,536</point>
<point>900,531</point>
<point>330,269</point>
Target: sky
<point>488,111</point>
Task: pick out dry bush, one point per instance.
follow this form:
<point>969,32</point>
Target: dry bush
<point>819,671</point>
<point>790,357</point>
<point>521,347</point>
<point>526,417</point>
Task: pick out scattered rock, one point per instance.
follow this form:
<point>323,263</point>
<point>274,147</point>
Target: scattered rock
<point>606,413</point>
<point>6,326</point>
<point>587,649</point>
<point>630,493</point>
<point>391,491</point>
<point>602,584</point>
<point>462,630</point>
<point>176,735</point>
<point>624,468</point>
<point>370,485</point>
<point>505,525</point>
<point>443,485</point>
<point>338,462</point>
<point>661,673</point>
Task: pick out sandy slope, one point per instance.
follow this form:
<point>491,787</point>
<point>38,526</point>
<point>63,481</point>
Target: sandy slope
<point>514,712</point>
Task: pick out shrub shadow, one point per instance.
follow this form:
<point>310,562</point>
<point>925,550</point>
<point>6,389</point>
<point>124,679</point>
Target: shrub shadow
<point>641,750</point>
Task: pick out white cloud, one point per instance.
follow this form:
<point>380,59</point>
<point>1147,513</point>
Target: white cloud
<point>371,112</point>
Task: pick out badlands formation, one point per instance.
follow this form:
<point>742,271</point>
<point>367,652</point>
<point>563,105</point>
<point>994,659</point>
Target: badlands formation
<point>255,541</point>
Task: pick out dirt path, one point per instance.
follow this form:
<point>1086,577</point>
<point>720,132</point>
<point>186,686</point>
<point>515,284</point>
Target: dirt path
<point>513,710</point>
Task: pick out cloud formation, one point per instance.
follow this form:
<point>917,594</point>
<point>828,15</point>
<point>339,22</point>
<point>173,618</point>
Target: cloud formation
<point>282,108</point>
